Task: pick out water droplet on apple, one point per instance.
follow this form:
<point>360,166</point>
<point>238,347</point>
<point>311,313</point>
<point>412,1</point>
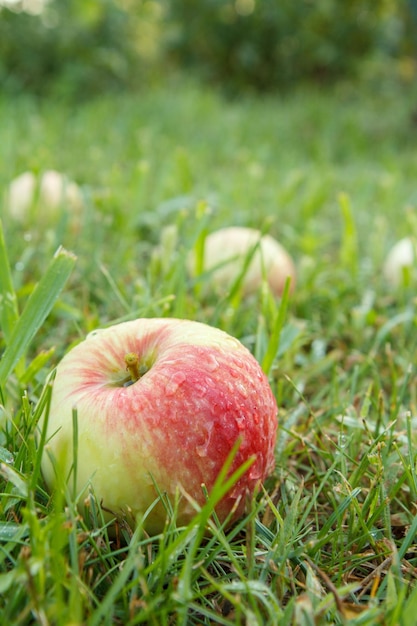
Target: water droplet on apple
<point>200,389</point>
<point>233,342</point>
<point>202,449</point>
<point>241,421</point>
<point>174,383</point>
<point>212,363</point>
<point>94,333</point>
<point>242,390</point>
<point>255,472</point>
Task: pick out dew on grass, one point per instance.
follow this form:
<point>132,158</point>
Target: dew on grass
<point>343,441</point>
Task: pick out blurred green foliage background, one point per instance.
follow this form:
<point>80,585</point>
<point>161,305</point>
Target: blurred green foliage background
<point>83,47</point>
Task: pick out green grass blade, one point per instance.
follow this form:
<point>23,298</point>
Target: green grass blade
<point>36,310</point>
<point>349,246</point>
<point>273,344</point>
<point>410,609</point>
<point>337,515</point>
<point>9,313</point>
<point>106,606</point>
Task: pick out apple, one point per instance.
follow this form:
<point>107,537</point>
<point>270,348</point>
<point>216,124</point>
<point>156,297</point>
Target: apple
<point>225,251</point>
<point>160,402</point>
<point>46,194</point>
<point>401,257</point>
<point>57,190</point>
<point>20,194</point>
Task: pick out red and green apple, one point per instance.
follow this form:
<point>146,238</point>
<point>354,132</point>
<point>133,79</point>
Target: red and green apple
<point>160,402</point>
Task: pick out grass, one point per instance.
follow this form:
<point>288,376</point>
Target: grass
<point>331,538</point>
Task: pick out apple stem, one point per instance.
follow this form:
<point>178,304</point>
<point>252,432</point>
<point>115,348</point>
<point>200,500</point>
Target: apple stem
<point>132,366</point>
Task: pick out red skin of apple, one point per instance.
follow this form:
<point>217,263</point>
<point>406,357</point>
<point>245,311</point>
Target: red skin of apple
<point>175,426</point>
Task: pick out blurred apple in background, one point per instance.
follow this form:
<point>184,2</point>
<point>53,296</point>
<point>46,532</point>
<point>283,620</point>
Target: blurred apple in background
<point>160,401</point>
<point>43,196</point>
<point>226,250</point>
<point>400,260</point>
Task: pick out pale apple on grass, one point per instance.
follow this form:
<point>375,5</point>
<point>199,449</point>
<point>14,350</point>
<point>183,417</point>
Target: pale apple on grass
<point>400,261</point>
<point>226,250</point>
<point>160,405</point>
<point>31,196</point>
